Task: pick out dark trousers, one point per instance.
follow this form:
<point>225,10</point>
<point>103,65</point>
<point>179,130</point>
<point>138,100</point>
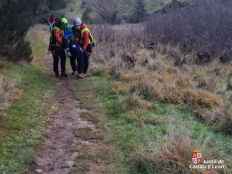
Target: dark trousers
<point>74,63</point>
<point>79,59</point>
<point>59,57</point>
<point>86,57</point>
<point>85,62</point>
<point>76,59</point>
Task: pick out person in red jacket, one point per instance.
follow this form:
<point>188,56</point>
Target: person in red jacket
<point>86,41</point>
<point>57,47</point>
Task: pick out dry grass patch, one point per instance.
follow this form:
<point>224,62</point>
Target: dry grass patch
<point>174,157</point>
<point>133,102</point>
<point>9,92</point>
<point>219,119</point>
<point>139,117</point>
<point>177,150</point>
<point>131,76</point>
<point>171,86</point>
<point>120,87</point>
<point>202,98</point>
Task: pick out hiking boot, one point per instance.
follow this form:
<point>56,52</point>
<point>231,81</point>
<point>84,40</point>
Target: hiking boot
<point>81,76</point>
<point>84,75</point>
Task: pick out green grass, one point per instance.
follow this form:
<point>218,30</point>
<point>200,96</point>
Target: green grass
<point>36,39</point>
<point>152,5</point>
<point>132,138</point>
<point>24,119</point>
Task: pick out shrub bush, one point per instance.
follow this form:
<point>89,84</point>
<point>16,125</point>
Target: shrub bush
<point>16,17</point>
<point>203,26</point>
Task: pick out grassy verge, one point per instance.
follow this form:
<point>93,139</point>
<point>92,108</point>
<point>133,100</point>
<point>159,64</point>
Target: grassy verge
<point>25,118</point>
<point>160,137</point>
<point>38,37</point>
<point>112,157</point>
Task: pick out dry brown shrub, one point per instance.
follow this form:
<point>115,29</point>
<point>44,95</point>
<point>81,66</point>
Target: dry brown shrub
<point>202,98</point>
<point>218,118</point>
<point>134,102</point>
<point>170,86</point>
<point>142,119</point>
<point>120,87</point>
<point>173,157</point>
<point>177,150</point>
<point>9,93</point>
<point>132,76</point>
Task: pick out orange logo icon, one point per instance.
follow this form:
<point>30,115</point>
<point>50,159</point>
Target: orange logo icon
<point>196,157</point>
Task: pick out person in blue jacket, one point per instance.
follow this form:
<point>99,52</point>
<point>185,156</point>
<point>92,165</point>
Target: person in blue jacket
<point>76,49</point>
<point>73,49</point>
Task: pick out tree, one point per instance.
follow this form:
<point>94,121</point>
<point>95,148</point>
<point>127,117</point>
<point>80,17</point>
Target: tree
<point>86,16</point>
<point>106,9</point>
<point>16,17</point>
<point>139,13</point>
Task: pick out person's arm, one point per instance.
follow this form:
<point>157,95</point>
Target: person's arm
<point>51,41</point>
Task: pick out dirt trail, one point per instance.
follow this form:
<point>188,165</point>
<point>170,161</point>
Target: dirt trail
<point>57,153</point>
<point>72,143</point>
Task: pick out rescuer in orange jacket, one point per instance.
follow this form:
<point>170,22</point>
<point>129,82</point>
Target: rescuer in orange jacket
<point>85,39</point>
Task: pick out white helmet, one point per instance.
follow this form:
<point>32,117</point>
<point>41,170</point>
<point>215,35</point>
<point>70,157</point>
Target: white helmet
<point>76,21</point>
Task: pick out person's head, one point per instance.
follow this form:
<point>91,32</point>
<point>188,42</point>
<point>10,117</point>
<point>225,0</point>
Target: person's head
<point>64,22</point>
<point>51,19</point>
<point>58,23</point>
<point>76,22</point>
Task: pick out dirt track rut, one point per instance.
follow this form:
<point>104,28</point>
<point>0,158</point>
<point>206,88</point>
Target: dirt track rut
<point>58,152</point>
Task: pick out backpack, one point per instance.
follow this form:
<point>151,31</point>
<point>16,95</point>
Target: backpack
<point>91,37</point>
<point>58,37</point>
<point>68,33</point>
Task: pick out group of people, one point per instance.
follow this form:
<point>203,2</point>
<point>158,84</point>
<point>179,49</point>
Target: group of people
<point>74,40</point>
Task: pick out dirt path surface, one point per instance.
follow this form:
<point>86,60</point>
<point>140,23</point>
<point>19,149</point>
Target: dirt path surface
<point>57,154</point>
<point>73,142</point>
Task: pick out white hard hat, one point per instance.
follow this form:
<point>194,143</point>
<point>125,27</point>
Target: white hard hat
<point>77,21</point>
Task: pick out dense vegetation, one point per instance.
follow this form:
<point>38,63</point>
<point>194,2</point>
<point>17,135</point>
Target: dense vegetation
<point>16,17</point>
<point>118,11</point>
<point>160,82</point>
<point>203,26</point>
<point>153,136</point>
<point>177,62</point>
